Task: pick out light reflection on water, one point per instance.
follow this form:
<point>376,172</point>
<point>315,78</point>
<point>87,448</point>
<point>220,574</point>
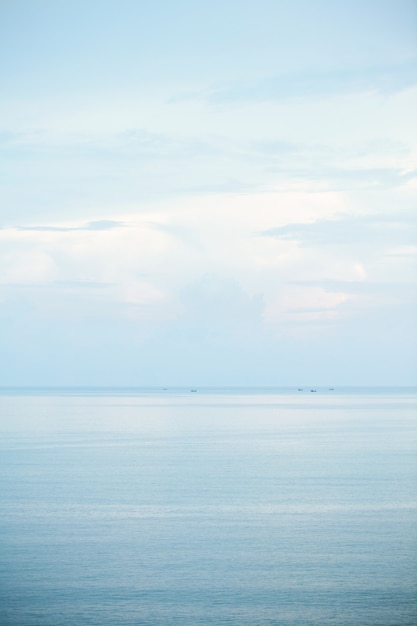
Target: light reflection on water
<point>208,508</point>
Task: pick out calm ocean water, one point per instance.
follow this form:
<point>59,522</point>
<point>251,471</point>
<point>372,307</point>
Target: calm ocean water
<point>245,508</point>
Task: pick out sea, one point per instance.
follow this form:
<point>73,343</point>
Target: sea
<point>197,506</point>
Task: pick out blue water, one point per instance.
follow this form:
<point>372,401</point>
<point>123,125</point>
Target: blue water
<point>239,507</point>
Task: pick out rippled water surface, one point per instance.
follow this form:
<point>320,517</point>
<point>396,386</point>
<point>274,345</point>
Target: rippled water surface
<point>208,508</point>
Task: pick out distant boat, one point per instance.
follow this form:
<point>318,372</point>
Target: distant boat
<point>299,389</point>
<point>331,388</point>
<point>313,390</point>
<point>193,390</point>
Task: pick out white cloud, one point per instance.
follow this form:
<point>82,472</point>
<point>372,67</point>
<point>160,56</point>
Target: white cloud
<point>146,258</point>
<point>27,268</point>
<point>305,304</point>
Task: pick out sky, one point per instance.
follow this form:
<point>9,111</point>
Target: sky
<point>208,193</point>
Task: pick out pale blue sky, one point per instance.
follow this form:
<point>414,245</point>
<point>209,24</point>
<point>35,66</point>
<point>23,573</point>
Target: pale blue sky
<point>199,193</point>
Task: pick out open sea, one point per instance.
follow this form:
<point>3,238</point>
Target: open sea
<point>243,507</point>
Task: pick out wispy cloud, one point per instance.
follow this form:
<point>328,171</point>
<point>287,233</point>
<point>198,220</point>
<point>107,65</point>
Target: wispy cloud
<point>94,225</point>
<point>345,230</point>
<point>389,79</point>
